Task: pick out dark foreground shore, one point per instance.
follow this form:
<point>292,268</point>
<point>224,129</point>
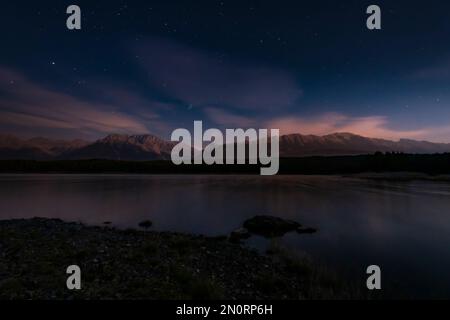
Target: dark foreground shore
<point>132,264</point>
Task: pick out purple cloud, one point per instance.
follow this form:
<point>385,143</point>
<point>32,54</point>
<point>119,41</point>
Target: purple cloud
<point>229,120</point>
<point>438,71</point>
<point>26,106</point>
<point>203,79</point>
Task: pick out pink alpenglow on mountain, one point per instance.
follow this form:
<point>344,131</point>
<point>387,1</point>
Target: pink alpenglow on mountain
<point>149,147</point>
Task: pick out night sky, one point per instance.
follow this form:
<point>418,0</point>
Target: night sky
<point>310,67</point>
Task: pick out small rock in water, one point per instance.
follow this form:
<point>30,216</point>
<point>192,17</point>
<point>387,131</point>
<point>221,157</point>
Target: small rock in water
<point>239,234</point>
<point>306,230</point>
<point>268,226</point>
<point>145,224</point>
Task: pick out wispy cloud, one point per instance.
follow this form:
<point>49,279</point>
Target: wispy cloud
<point>203,79</point>
<point>26,104</point>
<point>439,71</point>
<point>228,119</point>
<point>369,126</point>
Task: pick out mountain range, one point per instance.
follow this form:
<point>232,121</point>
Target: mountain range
<point>149,147</point>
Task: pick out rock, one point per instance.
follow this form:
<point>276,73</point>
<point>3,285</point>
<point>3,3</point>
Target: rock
<point>239,234</point>
<point>306,230</point>
<point>145,224</point>
<point>268,226</point>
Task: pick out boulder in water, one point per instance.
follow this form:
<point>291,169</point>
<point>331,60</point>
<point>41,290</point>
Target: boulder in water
<point>306,230</point>
<point>268,226</point>
<point>145,224</point>
<point>239,234</point>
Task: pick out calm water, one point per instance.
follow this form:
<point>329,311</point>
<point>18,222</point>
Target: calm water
<point>404,227</point>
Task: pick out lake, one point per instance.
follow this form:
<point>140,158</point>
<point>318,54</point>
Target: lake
<point>404,227</point>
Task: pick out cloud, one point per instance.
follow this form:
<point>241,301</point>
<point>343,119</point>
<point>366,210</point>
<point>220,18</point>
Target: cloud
<point>25,104</point>
<point>228,119</point>
<point>204,79</point>
<point>369,126</point>
<point>436,72</point>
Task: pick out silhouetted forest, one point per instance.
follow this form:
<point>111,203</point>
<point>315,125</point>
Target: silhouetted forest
<point>378,162</point>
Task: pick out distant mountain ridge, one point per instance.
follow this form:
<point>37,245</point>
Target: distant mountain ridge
<point>297,145</point>
<point>12,147</point>
<point>124,147</point>
<point>149,147</point>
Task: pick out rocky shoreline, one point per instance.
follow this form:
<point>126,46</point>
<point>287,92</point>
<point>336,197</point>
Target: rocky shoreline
<point>133,264</point>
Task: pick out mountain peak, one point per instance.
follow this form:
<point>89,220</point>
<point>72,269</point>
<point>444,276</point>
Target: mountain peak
<point>342,135</point>
<point>150,147</point>
<point>114,138</point>
<point>125,147</point>
<point>10,141</point>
